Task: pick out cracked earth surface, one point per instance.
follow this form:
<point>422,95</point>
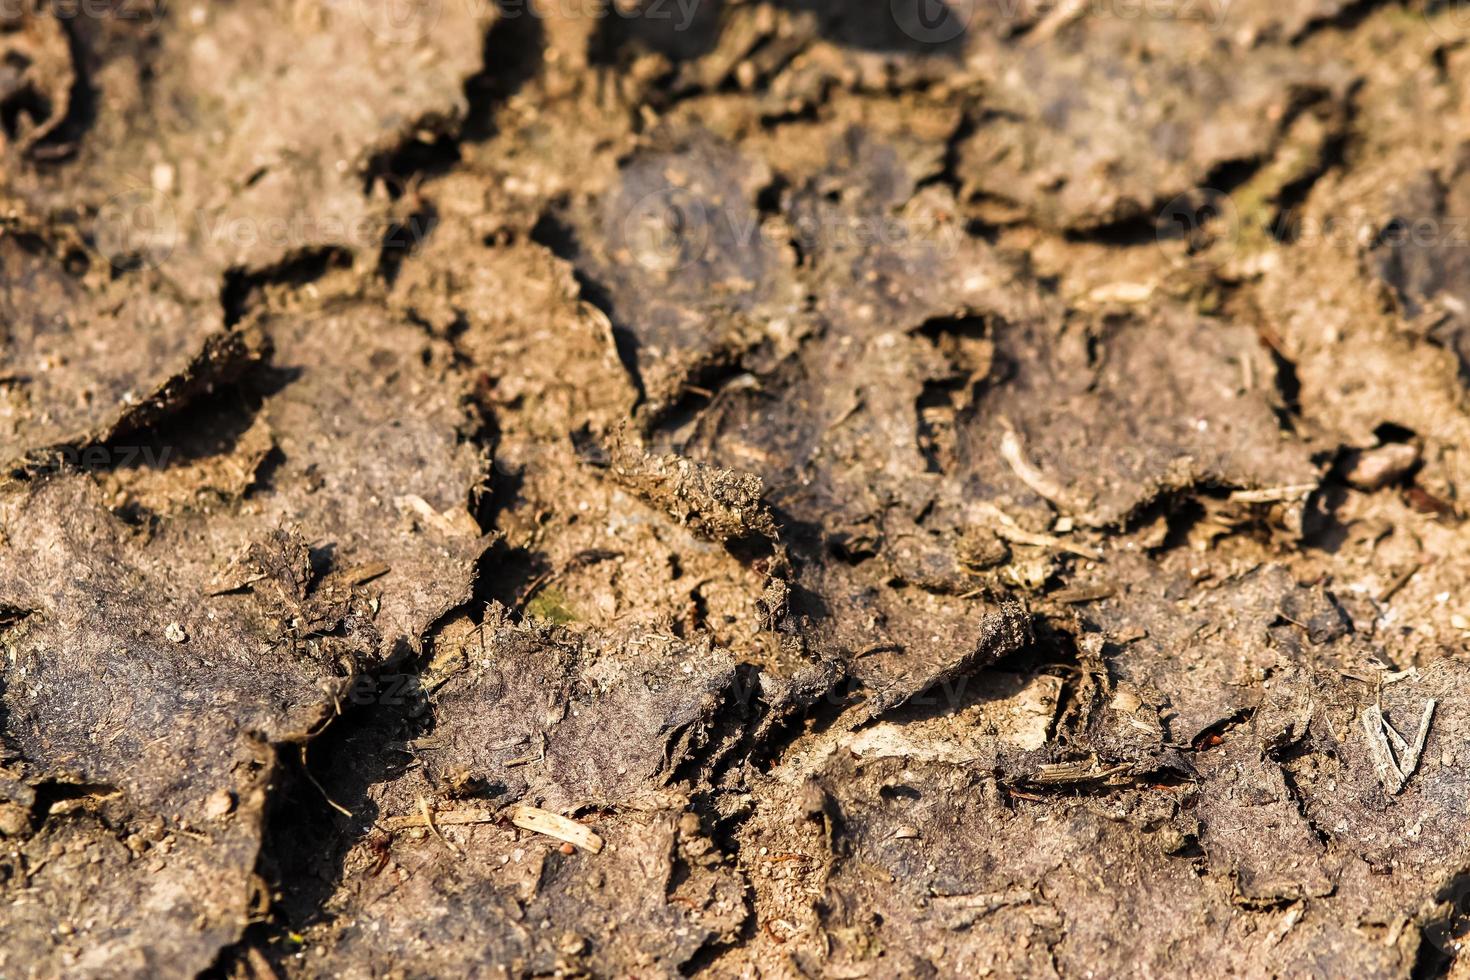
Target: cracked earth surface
<point>734,489</point>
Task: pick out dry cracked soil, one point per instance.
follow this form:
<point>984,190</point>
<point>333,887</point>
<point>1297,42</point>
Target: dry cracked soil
<point>734,488</point>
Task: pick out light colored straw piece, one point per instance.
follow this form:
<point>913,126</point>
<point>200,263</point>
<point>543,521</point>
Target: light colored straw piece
<point>555,825</point>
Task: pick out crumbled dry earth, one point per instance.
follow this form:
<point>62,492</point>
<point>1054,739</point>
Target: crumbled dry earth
<point>734,489</point>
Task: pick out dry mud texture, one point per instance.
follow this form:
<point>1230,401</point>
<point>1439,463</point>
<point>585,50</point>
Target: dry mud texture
<point>758,489</point>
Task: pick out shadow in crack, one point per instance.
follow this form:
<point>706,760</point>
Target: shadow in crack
<point>911,27</point>
<point>685,30</point>
<point>324,807</point>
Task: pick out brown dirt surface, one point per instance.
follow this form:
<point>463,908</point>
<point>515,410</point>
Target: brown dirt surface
<point>734,488</point>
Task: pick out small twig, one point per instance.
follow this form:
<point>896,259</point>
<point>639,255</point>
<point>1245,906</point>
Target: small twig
<point>526,760</point>
<point>429,822</point>
<point>1083,593</point>
<point>1016,535</point>
<point>1065,14</point>
<point>1065,773</point>
<point>321,789</point>
<point>1271,495</point>
<point>1290,919</point>
<point>555,825</point>
<point>1399,581</point>
<point>532,588</point>
<point>448,818</point>
<point>1425,721</point>
<point>259,965</point>
<point>1383,764</point>
<point>1014,454</point>
<point>1006,528</point>
<point>364,574</point>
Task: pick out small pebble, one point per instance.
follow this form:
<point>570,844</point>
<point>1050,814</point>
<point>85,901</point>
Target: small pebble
<point>14,820</point>
<point>219,803</point>
<point>162,177</point>
<point>1372,469</point>
<point>175,633</point>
